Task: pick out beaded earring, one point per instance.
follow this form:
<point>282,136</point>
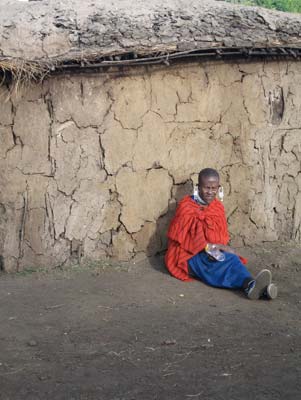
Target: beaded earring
<point>220,193</point>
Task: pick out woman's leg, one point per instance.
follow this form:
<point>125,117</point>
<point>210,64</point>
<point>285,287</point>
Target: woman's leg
<point>230,273</point>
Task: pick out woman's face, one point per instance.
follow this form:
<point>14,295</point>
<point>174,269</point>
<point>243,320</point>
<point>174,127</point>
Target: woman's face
<point>208,188</point>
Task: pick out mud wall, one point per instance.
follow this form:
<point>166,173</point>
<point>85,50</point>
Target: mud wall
<point>92,166</point>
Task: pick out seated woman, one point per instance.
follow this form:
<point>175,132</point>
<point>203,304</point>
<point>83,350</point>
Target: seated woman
<point>199,225</point>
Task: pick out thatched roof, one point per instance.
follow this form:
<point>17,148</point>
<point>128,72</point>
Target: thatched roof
<point>54,33</point>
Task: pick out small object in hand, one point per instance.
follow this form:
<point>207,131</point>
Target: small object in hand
<point>214,252</point>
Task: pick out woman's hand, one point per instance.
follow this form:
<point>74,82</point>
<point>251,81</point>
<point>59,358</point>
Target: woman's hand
<point>228,249</point>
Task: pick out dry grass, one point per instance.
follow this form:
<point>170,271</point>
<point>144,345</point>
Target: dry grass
<point>21,72</point>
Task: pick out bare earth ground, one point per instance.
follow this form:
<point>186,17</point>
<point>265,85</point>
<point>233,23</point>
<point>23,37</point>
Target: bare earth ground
<point>133,332</point>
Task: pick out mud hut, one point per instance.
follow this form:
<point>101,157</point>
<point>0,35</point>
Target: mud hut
<point>109,109</point>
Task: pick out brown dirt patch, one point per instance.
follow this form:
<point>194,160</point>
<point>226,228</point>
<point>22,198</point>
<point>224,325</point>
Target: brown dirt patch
<point>136,333</point>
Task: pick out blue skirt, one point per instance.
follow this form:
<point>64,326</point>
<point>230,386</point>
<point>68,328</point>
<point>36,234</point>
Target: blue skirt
<point>230,273</point>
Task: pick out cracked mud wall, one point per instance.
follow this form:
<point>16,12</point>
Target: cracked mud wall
<point>91,166</point>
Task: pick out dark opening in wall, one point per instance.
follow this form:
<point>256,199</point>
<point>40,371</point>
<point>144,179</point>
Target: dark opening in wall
<point>1,263</point>
<point>276,102</point>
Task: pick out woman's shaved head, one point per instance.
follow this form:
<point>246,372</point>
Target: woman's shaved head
<point>208,173</point>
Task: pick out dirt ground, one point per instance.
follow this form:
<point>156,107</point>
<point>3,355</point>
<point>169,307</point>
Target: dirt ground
<point>132,332</point>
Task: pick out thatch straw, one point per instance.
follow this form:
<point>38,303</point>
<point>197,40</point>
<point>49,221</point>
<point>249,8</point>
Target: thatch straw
<point>21,72</point>
<point>74,33</point>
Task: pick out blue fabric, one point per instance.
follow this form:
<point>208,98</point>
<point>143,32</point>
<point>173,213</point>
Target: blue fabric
<point>230,273</point>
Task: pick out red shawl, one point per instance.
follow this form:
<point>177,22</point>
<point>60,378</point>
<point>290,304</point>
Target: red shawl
<point>191,229</point>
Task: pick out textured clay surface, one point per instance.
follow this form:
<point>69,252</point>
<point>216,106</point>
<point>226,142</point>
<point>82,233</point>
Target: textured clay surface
<point>92,166</point>
<point>62,30</point>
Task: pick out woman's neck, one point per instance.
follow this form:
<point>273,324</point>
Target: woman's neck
<point>198,199</point>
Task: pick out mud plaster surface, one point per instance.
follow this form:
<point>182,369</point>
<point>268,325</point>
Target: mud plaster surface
<point>91,166</point>
<point>43,30</point>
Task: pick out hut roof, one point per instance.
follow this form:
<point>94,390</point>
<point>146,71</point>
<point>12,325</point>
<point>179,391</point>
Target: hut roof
<point>50,34</point>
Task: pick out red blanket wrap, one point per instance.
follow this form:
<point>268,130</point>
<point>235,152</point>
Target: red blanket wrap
<point>192,227</point>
